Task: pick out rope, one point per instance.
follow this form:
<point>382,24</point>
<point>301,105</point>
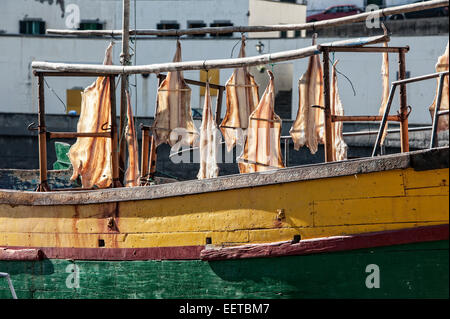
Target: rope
<point>51,89</point>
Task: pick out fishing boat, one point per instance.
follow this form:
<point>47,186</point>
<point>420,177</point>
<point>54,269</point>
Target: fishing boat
<point>374,227</point>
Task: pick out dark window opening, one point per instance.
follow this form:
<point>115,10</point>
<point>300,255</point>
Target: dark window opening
<point>168,25</point>
<point>196,24</point>
<point>32,26</point>
<point>101,243</point>
<point>283,34</point>
<point>91,25</point>
<point>221,24</point>
<point>298,33</point>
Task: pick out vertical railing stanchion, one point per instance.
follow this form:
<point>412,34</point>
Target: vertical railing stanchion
<point>114,137</point>
<point>384,120</point>
<point>42,130</point>
<point>327,102</point>
<point>434,136</point>
<point>404,136</point>
<point>144,154</point>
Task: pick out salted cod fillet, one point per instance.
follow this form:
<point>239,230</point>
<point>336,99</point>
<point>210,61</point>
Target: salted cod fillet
<point>262,151</point>
<point>386,89</point>
<point>309,126</point>
<point>173,118</point>
<point>208,141</point>
<point>339,147</point>
<point>91,157</point>
<point>442,66</point>
<point>242,99</point>
<point>132,172</point>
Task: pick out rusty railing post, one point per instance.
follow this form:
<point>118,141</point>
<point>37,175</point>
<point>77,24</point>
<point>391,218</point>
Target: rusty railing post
<point>404,136</point>
<point>114,138</point>
<point>327,102</point>
<point>42,131</point>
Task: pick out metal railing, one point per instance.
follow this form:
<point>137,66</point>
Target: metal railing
<point>437,111</point>
<point>11,287</point>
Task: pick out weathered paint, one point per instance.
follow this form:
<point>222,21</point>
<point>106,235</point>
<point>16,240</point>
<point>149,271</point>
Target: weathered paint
<point>417,270</point>
<point>335,206</point>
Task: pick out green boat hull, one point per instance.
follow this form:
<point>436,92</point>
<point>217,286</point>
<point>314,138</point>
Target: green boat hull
<point>418,270</point>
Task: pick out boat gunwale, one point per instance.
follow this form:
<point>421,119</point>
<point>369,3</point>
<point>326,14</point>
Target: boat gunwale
<point>420,160</point>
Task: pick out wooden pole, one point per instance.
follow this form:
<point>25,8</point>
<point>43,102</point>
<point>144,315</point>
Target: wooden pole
<point>124,61</point>
<point>327,110</point>
<point>43,183</point>
<point>144,154</point>
<point>204,64</point>
<point>404,136</point>
<point>114,141</point>
<point>362,17</point>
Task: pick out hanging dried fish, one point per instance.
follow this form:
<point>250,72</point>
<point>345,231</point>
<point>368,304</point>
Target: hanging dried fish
<point>132,172</point>
<point>173,119</point>
<point>386,88</point>
<point>262,149</point>
<point>208,141</point>
<point>339,147</point>
<point>91,157</point>
<point>242,99</point>
<point>309,126</point>
<point>442,66</point>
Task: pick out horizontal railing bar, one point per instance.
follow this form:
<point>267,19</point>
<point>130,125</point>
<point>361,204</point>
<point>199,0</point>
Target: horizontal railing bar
<point>420,78</point>
<point>365,49</point>
<point>363,118</point>
<point>76,135</point>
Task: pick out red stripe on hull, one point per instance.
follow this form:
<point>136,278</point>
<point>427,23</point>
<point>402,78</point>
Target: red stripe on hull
<point>330,244</point>
<point>304,247</point>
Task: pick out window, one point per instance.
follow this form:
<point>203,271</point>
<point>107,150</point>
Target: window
<point>196,24</point>
<point>32,26</point>
<point>220,23</point>
<point>283,34</point>
<point>168,25</point>
<point>90,25</point>
<point>331,10</point>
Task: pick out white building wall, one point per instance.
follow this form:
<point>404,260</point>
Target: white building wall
<point>148,12</point>
<point>264,12</point>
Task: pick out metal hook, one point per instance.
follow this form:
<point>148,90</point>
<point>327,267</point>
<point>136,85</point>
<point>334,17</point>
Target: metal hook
<point>31,127</point>
<point>105,128</point>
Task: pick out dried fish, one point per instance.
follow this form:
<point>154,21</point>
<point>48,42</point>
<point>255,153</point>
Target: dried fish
<point>208,141</point>
<point>309,127</point>
<point>132,172</point>
<point>339,147</point>
<point>442,66</point>
<point>173,118</point>
<point>91,157</point>
<point>262,150</point>
<point>242,99</point>
<point>386,88</point>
